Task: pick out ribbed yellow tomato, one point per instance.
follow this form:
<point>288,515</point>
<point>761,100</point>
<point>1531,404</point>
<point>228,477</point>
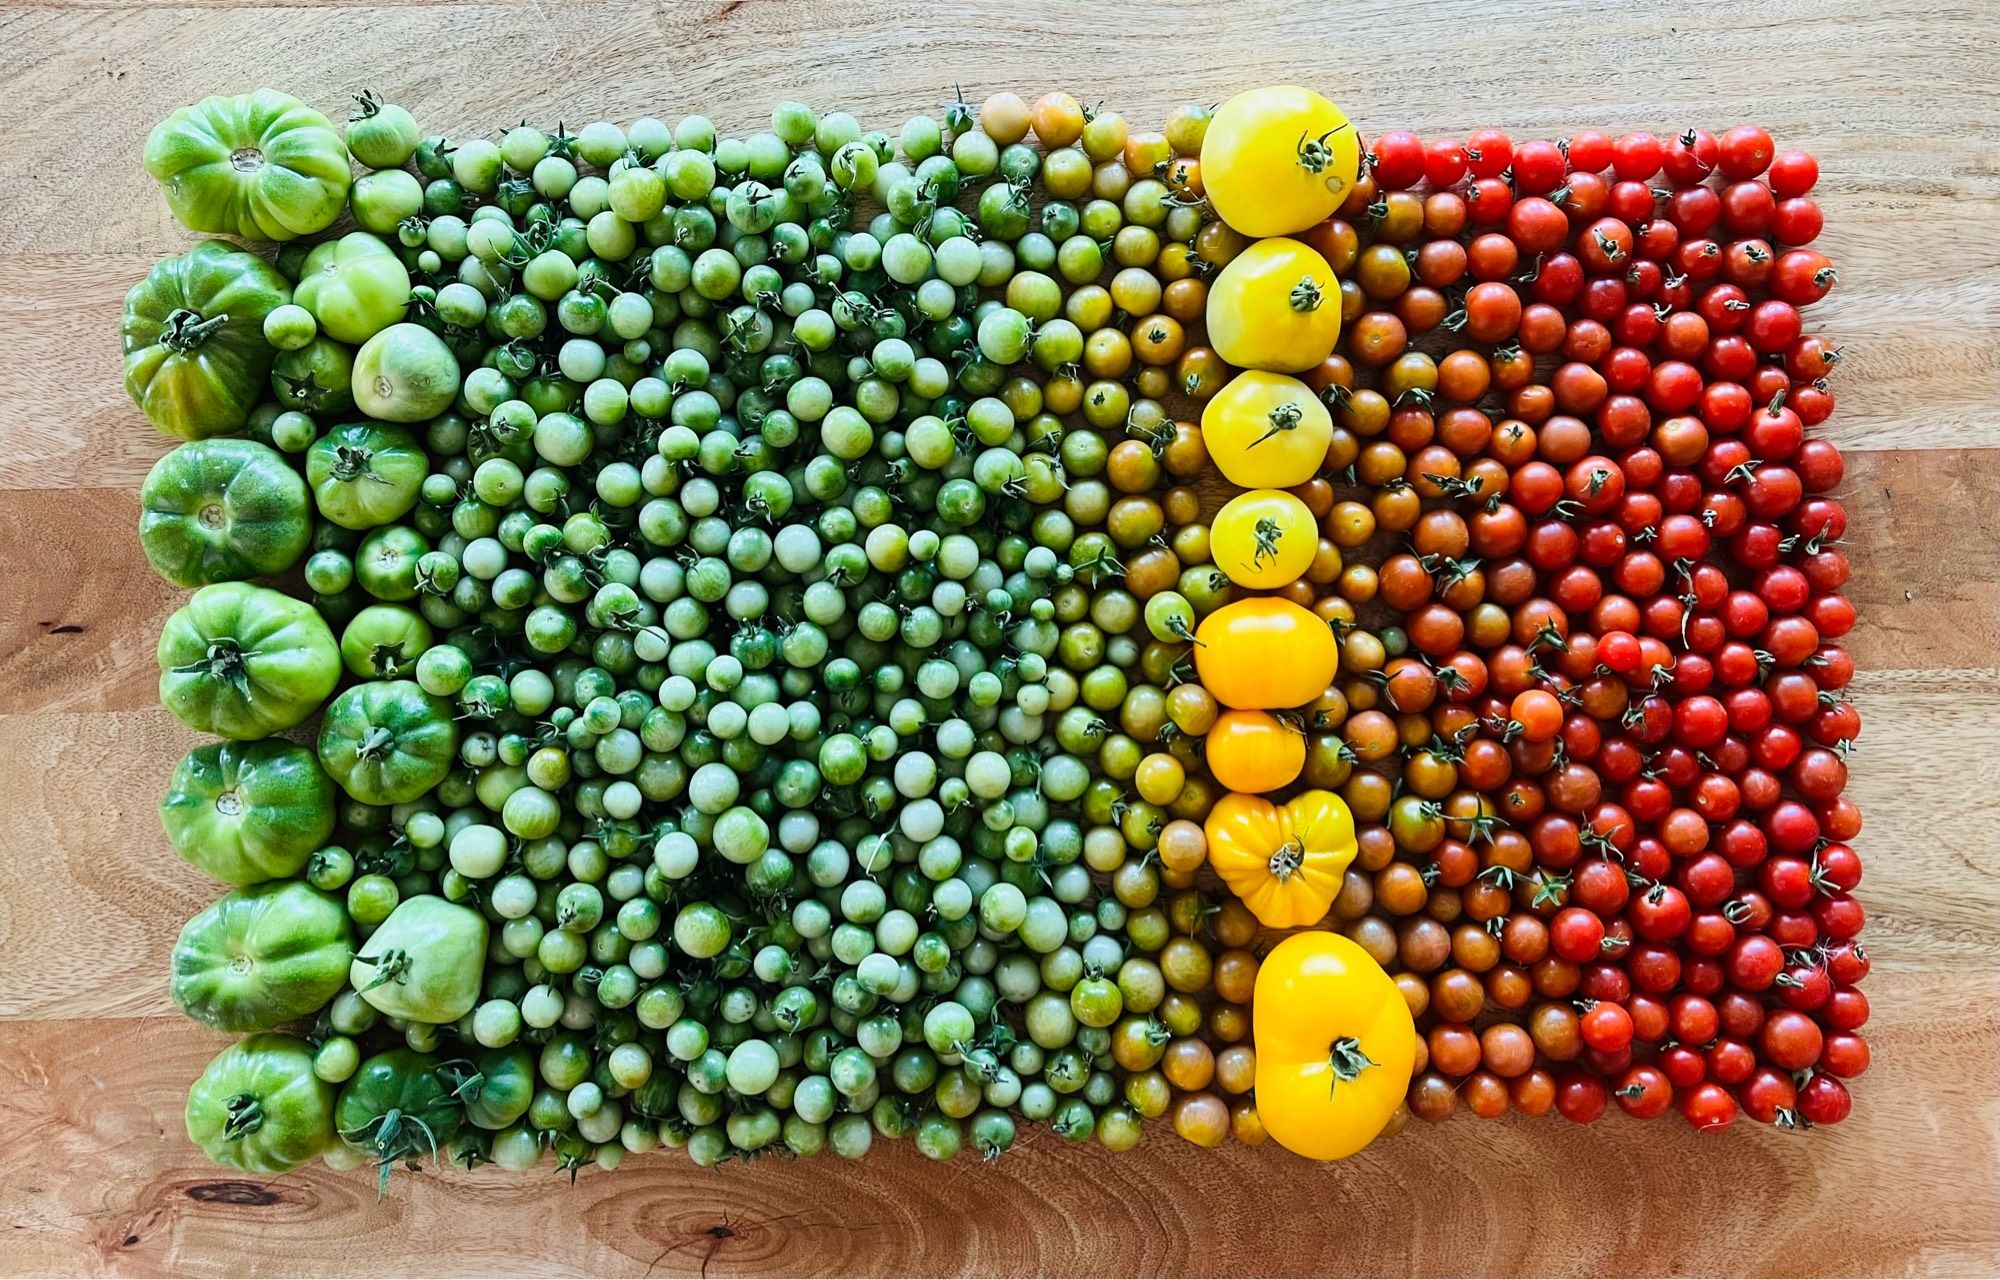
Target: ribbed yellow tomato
<point>1263,539</point>
<point>1254,751</point>
<point>1285,861</point>
<point>1335,1045</point>
<point>1277,160</point>
<point>1275,306</point>
<point>1264,653</point>
<point>1266,430</point>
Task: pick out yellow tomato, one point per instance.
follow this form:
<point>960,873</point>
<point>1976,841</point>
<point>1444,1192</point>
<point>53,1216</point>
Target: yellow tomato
<point>1254,751</point>
<point>1278,160</point>
<point>1264,539</point>
<point>1285,861</point>
<point>1275,306</point>
<point>1335,1046</point>
<point>1266,430</point>
<point>1264,653</point>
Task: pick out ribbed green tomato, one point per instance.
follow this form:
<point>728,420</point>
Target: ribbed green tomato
<point>221,511</point>
<point>262,956</point>
<point>260,166</point>
<point>259,1107</point>
<point>365,474</point>
<point>425,962</point>
<point>388,742</point>
<point>240,661</point>
<point>248,812</point>
<point>193,332</point>
<point>355,286</point>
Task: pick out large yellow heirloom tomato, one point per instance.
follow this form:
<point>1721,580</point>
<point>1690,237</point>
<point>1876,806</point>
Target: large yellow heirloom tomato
<point>1265,653</point>
<point>1284,860</point>
<point>1275,306</point>
<point>1253,751</point>
<point>1263,539</point>
<point>1278,160</point>
<point>1335,1045</point>
<point>1266,430</point>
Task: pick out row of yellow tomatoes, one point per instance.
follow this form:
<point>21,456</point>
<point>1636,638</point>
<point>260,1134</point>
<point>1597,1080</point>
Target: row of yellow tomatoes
<point>1335,1041</point>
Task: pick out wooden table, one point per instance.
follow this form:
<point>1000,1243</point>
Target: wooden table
<point>95,1174</point>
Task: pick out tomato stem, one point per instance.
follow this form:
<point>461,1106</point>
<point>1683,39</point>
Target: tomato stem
<point>1348,1062</point>
<point>187,329</point>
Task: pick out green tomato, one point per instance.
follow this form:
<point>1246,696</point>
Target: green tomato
<point>248,813</point>
<point>193,334</point>
<point>366,474</point>
<point>384,642</point>
<point>290,327</point>
<point>317,378</point>
<point>355,287</point>
<point>259,1108</point>
<point>245,662</point>
<point>388,742</point>
<point>381,200</point>
<point>262,956</point>
<point>405,373</point>
<point>386,562</point>
<point>381,134</point>
<point>497,1092</point>
<point>222,510</point>
<point>259,166</point>
<point>424,962</point>
<point>398,1108</point>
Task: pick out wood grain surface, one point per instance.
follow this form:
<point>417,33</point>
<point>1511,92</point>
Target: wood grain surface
<point>1894,96</point>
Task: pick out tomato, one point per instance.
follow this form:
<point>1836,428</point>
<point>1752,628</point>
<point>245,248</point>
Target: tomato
<point>388,742</point>
<point>1275,306</point>
<point>424,962</point>
<point>317,378</point>
<point>222,510</point>
<point>405,373</point>
<point>497,1087</point>
<point>1336,1046</point>
<point>1254,751</point>
<point>258,166</point>
<point>384,641</point>
<point>355,287</point>
<point>245,662</point>
<point>1265,653</point>
<point>366,474</point>
<point>259,1108</point>
<point>1284,861</point>
<point>1264,538</point>
<point>1266,430</point>
<point>381,134</point>
<point>248,813</point>
<point>193,335</point>
<point>1277,160</point>
<point>262,956</point>
<point>398,1107</point>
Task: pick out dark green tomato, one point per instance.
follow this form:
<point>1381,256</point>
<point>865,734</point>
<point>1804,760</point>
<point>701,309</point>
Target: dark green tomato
<point>388,742</point>
<point>193,332</point>
<point>262,956</point>
<point>222,510</point>
<point>495,1087</point>
<point>365,474</point>
<point>317,378</point>
<point>398,1107</point>
<point>260,1108</point>
<point>248,813</point>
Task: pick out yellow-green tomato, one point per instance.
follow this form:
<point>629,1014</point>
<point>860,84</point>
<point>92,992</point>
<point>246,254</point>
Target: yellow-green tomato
<point>1263,539</point>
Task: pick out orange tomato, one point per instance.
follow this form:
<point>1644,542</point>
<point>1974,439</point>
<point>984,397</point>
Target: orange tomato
<point>1264,653</point>
<point>1254,751</point>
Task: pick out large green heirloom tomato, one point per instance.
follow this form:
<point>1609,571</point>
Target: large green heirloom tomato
<point>398,1107</point>
<point>355,287</point>
<point>240,661</point>
<point>425,961</point>
<point>259,1107</point>
<point>388,742</point>
<point>262,166</point>
<point>496,1087</point>
<point>405,373</point>
<point>223,510</point>
<point>262,956</point>
<point>195,355</point>
<point>365,474</point>
<point>248,812</point>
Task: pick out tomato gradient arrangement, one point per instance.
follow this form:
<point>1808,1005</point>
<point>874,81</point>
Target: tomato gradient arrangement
<point>824,637</point>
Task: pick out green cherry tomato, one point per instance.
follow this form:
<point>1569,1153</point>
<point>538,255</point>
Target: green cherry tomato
<point>388,742</point>
<point>245,662</point>
<point>249,812</point>
<point>260,166</point>
<point>259,1108</point>
<point>261,956</point>
<point>222,510</point>
<point>383,135</point>
<point>366,474</point>
<point>424,962</point>
<point>193,334</point>
<point>355,287</point>
<point>290,327</point>
<point>405,373</point>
